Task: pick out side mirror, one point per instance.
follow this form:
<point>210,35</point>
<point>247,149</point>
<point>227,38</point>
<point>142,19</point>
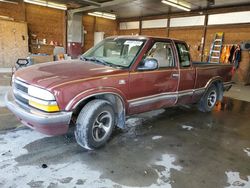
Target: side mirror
<point>148,64</point>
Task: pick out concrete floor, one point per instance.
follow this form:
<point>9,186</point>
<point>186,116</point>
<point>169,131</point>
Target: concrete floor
<point>178,147</point>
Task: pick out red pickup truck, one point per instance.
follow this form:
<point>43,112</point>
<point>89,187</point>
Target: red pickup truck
<point>118,77</point>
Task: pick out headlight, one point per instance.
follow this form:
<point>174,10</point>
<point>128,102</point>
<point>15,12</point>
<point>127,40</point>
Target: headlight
<point>42,99</point>
<point>40,93</point>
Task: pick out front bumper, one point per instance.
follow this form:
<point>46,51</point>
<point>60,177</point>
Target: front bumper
<point>47,123</point>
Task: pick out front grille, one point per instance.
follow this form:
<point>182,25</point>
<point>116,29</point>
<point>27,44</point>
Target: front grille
<point>20,90</point>
<point>21,87</point>
<point>21,99</point>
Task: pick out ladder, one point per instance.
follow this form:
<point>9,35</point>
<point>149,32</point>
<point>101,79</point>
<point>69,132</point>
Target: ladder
<point>216,47</point>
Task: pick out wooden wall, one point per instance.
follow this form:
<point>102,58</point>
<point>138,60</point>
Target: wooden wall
<point>42,21</point>
<point>129,32</point>
<point>234,34</point>
<point>46,23</point>
<point>50,24</point>
<point>94,24</point>
<point>192,36</point>
<point>15,11</point>
<point>162,32</point>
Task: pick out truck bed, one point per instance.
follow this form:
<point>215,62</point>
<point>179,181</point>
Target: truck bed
<point>201,64</point>
<point>206,71</point>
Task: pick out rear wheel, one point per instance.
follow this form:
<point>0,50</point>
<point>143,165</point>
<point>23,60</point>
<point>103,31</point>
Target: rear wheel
<point>95,124</point>
<point>208,101</point>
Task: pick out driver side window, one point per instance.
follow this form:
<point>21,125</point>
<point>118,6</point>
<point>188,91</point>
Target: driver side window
<point>162,52</point>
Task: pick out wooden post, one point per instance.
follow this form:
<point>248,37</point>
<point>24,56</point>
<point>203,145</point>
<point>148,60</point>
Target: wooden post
<point>204,36</point>
<point>140,25</point>
<point>65,28</point>
<point>168,26</point>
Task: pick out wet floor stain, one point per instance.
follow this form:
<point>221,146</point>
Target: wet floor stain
<point>175,147</point>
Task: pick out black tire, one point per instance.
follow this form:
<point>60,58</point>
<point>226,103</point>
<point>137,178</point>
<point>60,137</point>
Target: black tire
<point>95,124</point>
<point>208,101</point>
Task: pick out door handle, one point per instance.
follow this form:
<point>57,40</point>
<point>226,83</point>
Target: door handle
<point>174,75</point>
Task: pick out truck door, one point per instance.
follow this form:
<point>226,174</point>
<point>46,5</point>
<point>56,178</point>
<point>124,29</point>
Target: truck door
<point>151,89</point>
<point>186,74</point>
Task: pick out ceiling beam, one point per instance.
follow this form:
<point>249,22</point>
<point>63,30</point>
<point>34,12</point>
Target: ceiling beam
<point>103,5</point>
<point>90,2</point>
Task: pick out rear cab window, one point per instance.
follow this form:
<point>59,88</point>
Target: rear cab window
<point>183,53</point>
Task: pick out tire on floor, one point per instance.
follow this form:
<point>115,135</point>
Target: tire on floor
<point>95,124</point>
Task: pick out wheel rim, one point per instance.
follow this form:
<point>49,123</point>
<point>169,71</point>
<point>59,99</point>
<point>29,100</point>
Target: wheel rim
<point>212,98</point>
<point>102,126</point>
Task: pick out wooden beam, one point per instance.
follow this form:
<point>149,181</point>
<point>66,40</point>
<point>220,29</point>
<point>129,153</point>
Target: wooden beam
<point>192,13</point>
<point>168,26</point>
<point>204,37</point>
<point>89,2</point>
<point>103,5</point>
<point>140,26</point>
<point>65,29</point>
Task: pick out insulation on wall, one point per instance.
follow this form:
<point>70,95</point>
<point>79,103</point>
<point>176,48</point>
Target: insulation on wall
<point>187,21</point>
<point>129,25</point>
<point>229,18</point>
<point>157,23</point>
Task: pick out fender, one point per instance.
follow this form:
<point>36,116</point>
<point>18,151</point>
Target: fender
<point>212,80</point>
<point>95,92</point>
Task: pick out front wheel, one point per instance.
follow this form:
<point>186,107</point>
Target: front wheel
<point>208,101</point>
<point>95,124</point>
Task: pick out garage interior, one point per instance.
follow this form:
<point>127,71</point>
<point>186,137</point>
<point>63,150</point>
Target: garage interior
<point>177,147</point>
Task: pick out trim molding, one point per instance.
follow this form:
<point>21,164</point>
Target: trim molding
<point>162,96</point>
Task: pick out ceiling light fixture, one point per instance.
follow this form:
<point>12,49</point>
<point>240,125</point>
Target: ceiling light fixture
<point>103,15</point>
<point>178,4</point>
<point>6,1</point>
<point>47,4</point>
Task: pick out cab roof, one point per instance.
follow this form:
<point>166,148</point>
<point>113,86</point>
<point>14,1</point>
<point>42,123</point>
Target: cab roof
<point>142,37</point>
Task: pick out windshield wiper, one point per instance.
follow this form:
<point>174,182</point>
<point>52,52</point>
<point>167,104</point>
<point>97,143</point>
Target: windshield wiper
<point>87,58</point>
<point>100,61</point>
<point>94,59</point>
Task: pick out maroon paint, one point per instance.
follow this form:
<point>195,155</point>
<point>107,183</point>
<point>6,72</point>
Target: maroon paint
<point>72,81</point>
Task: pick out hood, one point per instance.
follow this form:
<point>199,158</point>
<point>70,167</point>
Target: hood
<point>50,74</point>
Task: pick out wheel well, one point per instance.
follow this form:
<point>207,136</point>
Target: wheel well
<point>219,85</point>
<point>116,101</point>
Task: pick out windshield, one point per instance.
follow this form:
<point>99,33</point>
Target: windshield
<point>114,52</point>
